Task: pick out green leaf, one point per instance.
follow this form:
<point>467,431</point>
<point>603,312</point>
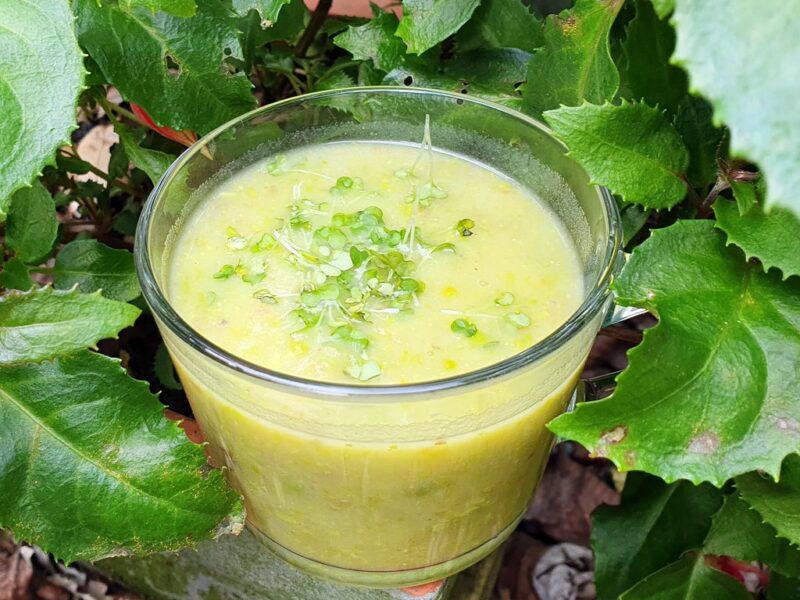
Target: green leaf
<point>575,63</point>
<point>15,276</point>
<point>374,40</point>
<point>631,148</point>
<point>490,74</point>
<point>268,10</point>
<point>711,391</point>
<point>32,226</point>
<point>45,322</point>
<point>95,266</point>
<point>425,23</point>
<point>778,503</point>
<point>173,67</point>
<point>746,194</point>
<point>648,45</point>
<point>152,162</point>
<point>654,525</point>
<point>663,7</point>
<point>179,8</point>
<point>92,468</point>
<point>164,371</point>
<point>738,531</point>
<point>633,219</point>
<point>693,122</point>
<point>783,588</point>
<point>688,579</point>
<point>758,99</point>
<point>501,24</point>
<point>771,237</point>
<point>41,76</point>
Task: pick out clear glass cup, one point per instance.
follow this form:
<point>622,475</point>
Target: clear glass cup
<point>384,485</point>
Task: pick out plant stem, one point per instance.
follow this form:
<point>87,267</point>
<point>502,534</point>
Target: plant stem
<point>317,19</point>
<point>102,174</point>
<point>110,107</point>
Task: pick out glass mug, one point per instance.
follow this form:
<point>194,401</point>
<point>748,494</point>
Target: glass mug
<point>384,485</point>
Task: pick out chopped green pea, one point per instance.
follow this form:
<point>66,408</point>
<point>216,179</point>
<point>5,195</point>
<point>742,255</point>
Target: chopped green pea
<point>465,226</point>
<point>518,319</point>
<point>464,327</point>
<point>504,299</point>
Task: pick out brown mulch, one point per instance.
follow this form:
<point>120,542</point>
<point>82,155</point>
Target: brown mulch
<point>545,559</point>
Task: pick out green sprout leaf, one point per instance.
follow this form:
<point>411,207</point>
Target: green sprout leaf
<point>464,227</point>
<point>501,24</point>
<point>152,162</point>
<point>45,322</point>
<point>575,62</point>
<point>770,237</point>
<point>179,8</point>
<point>374,40</point>
<point>504,299</point>
<point>93,469</point>
<point>518,319</point>
<point>724,401</point>
<point>32,225</point>
<point>464,327</point>
<point>94,266</point>
<point>689,578</point>
<point>648,45</point>
<point>641,535</point>
<point>147,57</point>
<point>710,39</point>
<point>631,148</point>
<point>778,502</point>
<point>425,23</point>
<point>738,531</point>
<point>41,76</point>
<point>364,370</point>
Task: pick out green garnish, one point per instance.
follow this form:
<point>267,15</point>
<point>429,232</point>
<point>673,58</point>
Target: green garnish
<point>345,184</point>
<point>265,296</point>
<point>446,247</point>
<point>225,272</point>
<point>277,165</point>
<point>265,242</point>
<point>463,327</point>
<point>235,241</point>
<point>464,227</point>
<point>351,336</point>
<point>363,371</point>
<point>253,277</point>
<point>504,299</point>
<point>518,319</point>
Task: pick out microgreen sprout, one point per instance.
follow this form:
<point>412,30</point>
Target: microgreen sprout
<point>235,241</point>
<point>464,327</point>
<point>445,248</point>
<point>345,184</point>
<point>504,299</point>
<point>225,272</point>
<point>464,227</point>
<point>349,335</point>
<point>518,319</point>
<point>265,296</point>
<point>265,242</point>
<point>363,370</point>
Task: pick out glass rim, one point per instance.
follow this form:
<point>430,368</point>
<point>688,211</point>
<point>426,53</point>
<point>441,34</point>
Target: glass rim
<point>162,308</point>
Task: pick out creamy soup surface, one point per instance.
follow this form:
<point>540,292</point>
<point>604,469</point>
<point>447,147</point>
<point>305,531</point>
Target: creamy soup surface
<point>373,263</point>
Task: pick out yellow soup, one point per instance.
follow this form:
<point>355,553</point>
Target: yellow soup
<point>374,264</point>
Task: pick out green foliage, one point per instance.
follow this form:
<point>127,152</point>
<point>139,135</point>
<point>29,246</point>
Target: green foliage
<point>31,224</point>
<point>15,275</point>
<point>164,370</point>
<point>44,323</point>
<point>757,99</point>
<point>724,400</point>
<point>778,503</point>
<point>702,139</point>
<point>769,236</point>
<point>653,527</point>
<point>268,10</point>
<point>738,531</point>
<point>374,40</point>
<point>41,75</point>
<point>112,475</point>
<point>425,23</point>
<point>648,45</point>
<point>179,8</point>
<point>574,63</point>
<point>630,148</point>
<point>152,162</point>
<point>501,24</point>
<point>690,578</point>
<point>173,67</point>
<point>94,266</point>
